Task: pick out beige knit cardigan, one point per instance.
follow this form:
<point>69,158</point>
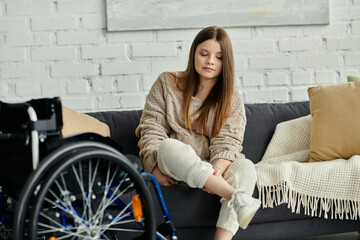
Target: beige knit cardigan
<point>163,118</point>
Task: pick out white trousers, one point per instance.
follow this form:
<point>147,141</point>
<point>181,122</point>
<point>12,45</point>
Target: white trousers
<point>180,162</point>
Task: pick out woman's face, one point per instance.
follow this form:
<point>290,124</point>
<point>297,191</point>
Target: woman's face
<point>208,59</point>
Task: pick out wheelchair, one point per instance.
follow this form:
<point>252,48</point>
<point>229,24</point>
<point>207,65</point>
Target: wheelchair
<point>75,187</point>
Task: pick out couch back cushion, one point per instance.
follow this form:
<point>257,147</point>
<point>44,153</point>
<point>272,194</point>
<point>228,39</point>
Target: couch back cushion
<point>122,128</point>
<point>261,122</point>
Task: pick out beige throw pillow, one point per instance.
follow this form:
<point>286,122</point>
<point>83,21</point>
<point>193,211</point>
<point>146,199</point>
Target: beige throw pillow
<point>335,130</point>
<point>75,122</point>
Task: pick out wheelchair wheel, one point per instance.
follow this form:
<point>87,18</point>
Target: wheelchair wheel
<point>29,193</point>
<point>93,195</point>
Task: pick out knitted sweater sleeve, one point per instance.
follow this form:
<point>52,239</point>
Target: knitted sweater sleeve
<point>228,143</point>
<point>153,127</point>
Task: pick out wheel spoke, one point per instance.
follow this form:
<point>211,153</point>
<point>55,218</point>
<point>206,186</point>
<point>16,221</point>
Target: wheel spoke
<point>50,219</point>
<point>126,230</point>
<point>105,202</point>
<point>65,193</point>
<point>91,181</point>
<point>71,212</point>
<point>122,222</point>
<point>86,199</point>
<point>108,202</point>
<point>119,217</point>
<point>106,237</point>
<point>66,232</point>
<point>101,213</point>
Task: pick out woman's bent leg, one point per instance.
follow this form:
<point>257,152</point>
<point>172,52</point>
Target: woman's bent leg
<point>179,161</point>
<point>241,175</point>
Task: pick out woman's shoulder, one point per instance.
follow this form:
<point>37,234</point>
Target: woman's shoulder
<point>170,80</point>
<point>173,76</point>
<point>161,80</point>
<point>237,98</point>
<point>238,103</point>
<point>165,78</point>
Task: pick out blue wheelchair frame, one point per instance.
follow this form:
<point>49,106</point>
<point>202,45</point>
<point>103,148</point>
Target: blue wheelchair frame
<point>163,208</point>
<point>156,185</point>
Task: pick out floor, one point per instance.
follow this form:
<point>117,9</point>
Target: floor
<point>343,236</point>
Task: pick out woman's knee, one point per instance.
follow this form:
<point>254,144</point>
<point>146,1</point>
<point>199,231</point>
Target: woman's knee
<point>241,174</point>
<point>169,149</point>
<point>181,160</point>
<point>242,165</point>
<point>173,152</point>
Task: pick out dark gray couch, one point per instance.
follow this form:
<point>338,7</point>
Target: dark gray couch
<point>194,212</point>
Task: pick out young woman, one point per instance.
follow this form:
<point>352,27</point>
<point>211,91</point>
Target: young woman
<point>192,128</point>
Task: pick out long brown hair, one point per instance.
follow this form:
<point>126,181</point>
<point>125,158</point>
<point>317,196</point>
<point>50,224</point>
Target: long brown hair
<point>220,97</point>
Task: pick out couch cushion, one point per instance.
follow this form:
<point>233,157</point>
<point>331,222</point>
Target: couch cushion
<point>122,128</point>
<point>189,207</point>
<point>335,115</point>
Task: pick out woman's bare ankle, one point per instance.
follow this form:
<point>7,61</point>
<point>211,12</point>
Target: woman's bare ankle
<point>219,186</point>
<point>222,234</point>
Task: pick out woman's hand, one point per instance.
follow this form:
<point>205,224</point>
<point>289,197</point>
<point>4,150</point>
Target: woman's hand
<point>220,166</point>
<point>163,179</point>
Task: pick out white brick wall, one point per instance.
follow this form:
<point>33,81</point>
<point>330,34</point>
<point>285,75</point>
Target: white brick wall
<point>73,70</point>
<point>95,52</point>
<point>293,45</point>
<point>302,78</point>
<point>325,77</point>
<point>78,37</point>
<point>262,46</point>
<point>81,7</point>
<point>123,68</point>
<point>103,85</point>
<point>21,71</point>
<point>12,24</point>
<point>28,89</point>
<point>53,53</point>
<point>154,50</point>
<point>252,79</point>
<point>356,28</point>
<point>61,48</point>
<point>27,39</point>
<point>53,23</point>
<point>277,78</point>
<point>270,62</point>
<point>21,8</point>
<point>12,55</point>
